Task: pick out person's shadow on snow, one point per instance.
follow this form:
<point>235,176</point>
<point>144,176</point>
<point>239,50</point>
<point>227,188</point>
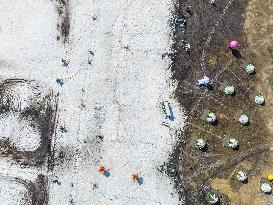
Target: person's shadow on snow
<point>140,181</point>
<point>106,173</point>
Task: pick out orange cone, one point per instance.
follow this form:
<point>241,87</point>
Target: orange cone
<point>135,177</point>
<point>101,169</point>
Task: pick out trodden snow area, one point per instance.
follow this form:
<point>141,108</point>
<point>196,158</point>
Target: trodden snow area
<point>83,85</point>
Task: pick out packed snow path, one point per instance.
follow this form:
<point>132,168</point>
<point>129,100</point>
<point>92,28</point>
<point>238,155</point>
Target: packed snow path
<point>111,106</point>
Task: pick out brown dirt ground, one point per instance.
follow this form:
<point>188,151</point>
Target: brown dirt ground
<point>258,26</point>
<point>250,22</point>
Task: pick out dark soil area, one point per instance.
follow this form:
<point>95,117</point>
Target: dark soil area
<point>209,30</point>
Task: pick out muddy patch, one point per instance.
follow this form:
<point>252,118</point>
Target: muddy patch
<point>27,121</point>
<point>63,26</point>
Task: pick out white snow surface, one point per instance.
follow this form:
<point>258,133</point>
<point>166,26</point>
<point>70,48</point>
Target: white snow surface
<point>13,193</point>
<point>22,95</point>
<point>19,132</point>
<point>122,92</point>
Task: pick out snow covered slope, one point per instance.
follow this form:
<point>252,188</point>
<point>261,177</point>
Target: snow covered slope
<point>112,106</point>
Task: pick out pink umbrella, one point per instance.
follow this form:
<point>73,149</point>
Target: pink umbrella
<point>233,45</point>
